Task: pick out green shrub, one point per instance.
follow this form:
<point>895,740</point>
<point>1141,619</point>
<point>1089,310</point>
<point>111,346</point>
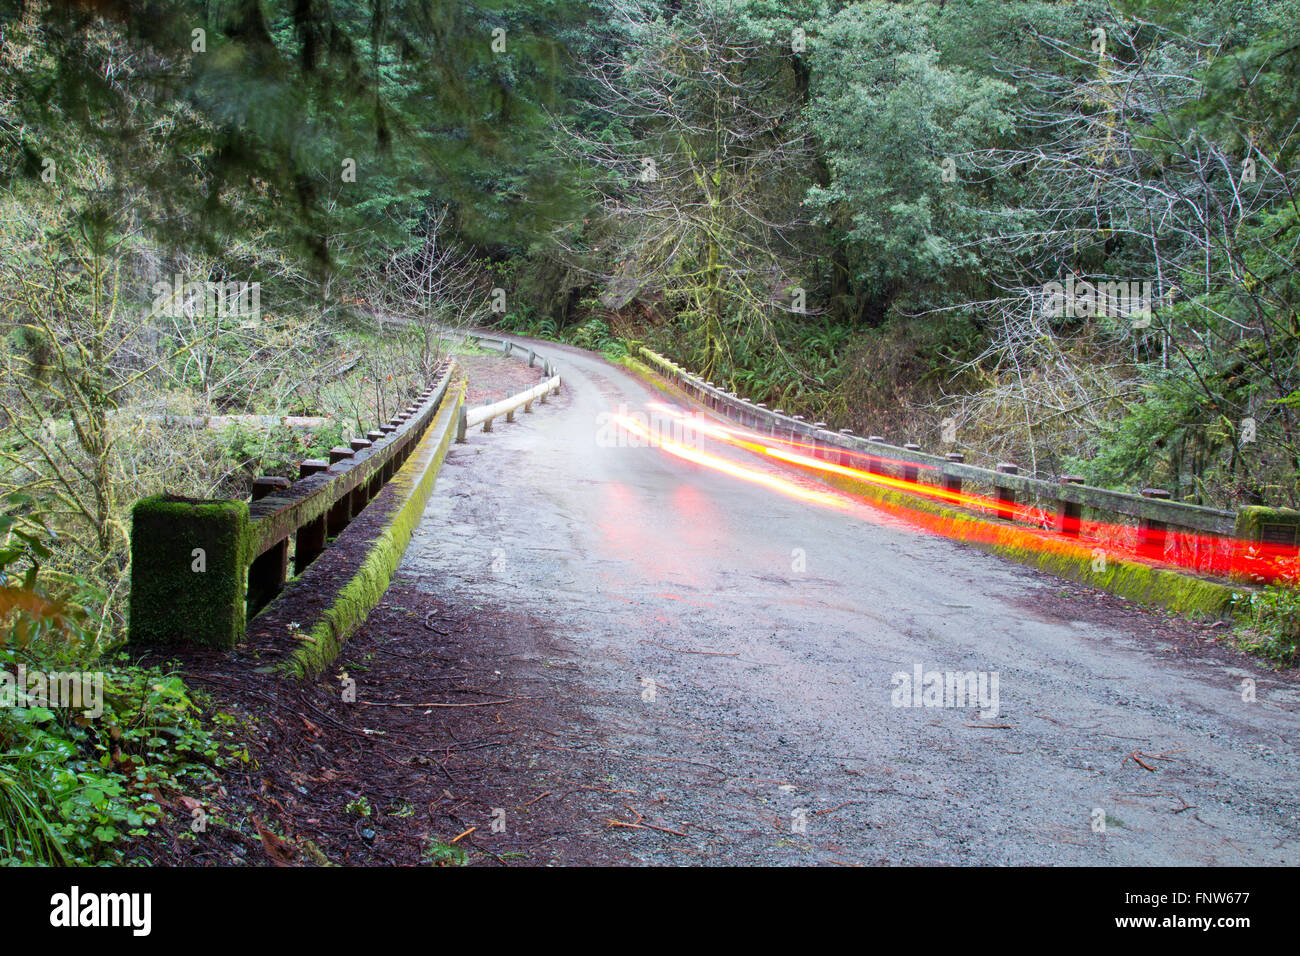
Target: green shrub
<point>77,783</point>
<point>73,787</point>
<point>280,449</point>
<point>1271,626</point>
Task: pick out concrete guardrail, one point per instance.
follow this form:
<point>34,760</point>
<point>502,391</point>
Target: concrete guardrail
<point>1151,517</point>
<point>201,569</point>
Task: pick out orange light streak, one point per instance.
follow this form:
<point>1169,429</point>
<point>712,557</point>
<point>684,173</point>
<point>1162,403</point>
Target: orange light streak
<point>732,468</point>
<point>1226,555</point>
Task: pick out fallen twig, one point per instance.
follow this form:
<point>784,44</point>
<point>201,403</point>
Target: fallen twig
<point>684,650</point>
<point>481,703</point>
<point>638,825</point>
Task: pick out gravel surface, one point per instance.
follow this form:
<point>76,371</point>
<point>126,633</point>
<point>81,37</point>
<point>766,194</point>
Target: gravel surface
<point>721,659</point>
<point>608,655</point>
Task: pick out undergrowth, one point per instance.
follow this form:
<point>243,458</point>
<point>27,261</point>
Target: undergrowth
<point>90,744</point>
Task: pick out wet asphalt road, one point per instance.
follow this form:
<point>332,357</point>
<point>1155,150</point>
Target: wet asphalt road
<point>745,644</point>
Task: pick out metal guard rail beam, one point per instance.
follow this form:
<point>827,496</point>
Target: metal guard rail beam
<point>484,414</point>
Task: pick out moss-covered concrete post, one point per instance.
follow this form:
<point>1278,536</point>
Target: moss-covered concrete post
<point>1069,514</point>
<point>189,563</point>
<point>1006,497</point>
<point>1152,532</point>
<point>952,483</point>
<point>1275,531</point>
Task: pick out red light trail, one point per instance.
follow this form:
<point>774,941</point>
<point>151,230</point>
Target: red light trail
<point>1219,555</point>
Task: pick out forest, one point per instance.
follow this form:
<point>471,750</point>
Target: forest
<point>1063,234</point>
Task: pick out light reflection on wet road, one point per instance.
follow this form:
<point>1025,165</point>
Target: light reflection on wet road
<point>771,627</point>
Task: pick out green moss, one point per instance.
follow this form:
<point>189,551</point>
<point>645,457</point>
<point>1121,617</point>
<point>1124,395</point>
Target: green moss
<point>1076,561</point>
<point>1252,519</point>
<point>363,592</point>
<point>645,372</point>
<point>189,564</point>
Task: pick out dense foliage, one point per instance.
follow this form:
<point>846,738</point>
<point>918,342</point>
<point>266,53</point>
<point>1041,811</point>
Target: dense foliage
<point>867,212</point>
<point>859,210</point>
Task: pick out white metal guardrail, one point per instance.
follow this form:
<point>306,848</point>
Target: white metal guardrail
<point>484,414</point>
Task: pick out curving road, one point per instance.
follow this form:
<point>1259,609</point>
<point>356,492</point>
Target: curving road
<point>737,646</point>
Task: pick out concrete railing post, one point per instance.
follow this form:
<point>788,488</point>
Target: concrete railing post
<point>874,465</point>
<point>267,484</point>
<point>395,460</point>
<point>819,446</point>
<point>1152,533</point>
<point>377,482</point>
<point>361,493</point>
<point>1069,514</point>
<point>1006,497</point>
<point>266,575</point>
<point>311,537</point>
<point>952,483</point>
<point>911,471</point>
<point>340,513</point>
<point>846,457</point>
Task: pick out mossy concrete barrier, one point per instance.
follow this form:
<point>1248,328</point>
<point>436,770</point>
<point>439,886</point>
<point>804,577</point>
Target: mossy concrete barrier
<point>651,377</point>
<point>302,631</point>
<point>1269,528</point>
<point>1068,558</point>
<point>190,583</point>
<point>199,569</point>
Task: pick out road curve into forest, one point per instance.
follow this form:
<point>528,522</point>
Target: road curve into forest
<point>747,641</point>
